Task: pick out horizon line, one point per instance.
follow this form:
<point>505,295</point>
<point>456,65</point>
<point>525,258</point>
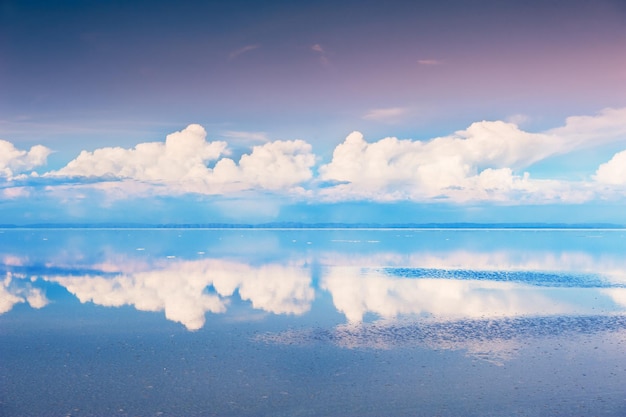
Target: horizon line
<point>322,226</point>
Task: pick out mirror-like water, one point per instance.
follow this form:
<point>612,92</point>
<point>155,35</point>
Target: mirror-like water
<point>312,322</point>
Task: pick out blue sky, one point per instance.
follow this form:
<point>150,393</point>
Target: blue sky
<point>243,111</point>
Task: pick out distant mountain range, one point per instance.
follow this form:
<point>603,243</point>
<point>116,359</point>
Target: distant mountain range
<point>297,225</point>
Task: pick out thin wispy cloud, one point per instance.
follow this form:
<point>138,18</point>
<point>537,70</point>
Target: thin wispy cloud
<point>244,136</point>
<point>234,54</point>
<point>323,56</point>
<point>387,115</point>
<point>15,192</point>
<point>318,48</point>
<point>34,127</point>
<point>429,62</point>
<point>518,119</point>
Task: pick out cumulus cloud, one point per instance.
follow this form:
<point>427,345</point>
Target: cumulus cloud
<point>487,161</point>
<point>614,171</point>
<point>181,288</point>
<point>183,155</point>
<point>272,166</point>
<point>480,157</point>
<point>181,163</point>
<point>482,162</point>
<point>14,161</point>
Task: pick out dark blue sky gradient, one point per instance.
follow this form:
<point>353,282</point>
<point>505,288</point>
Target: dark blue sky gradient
<point>82,75</point>
<point>176,63</point>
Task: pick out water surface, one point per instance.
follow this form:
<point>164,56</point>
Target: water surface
<point>312,322</point>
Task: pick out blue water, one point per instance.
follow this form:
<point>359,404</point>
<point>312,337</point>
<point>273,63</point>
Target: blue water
<point>312,322</point>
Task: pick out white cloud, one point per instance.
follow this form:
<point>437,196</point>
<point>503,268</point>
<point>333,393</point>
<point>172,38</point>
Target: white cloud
<point>180,164</point>
<point>614,171</point>
<point>183,155</point>
<point>272,166</point>
<point>608,126</point>
<point>480,163</point>
<point>502,185</point>
<point>488,161</point>
<point>14,161</point>
<point>477,160</point>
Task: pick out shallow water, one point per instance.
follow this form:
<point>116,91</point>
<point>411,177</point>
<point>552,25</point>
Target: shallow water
<point>312,322</point>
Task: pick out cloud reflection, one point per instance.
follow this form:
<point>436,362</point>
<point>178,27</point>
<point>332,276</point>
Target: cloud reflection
<point>187,290</point>
<point>443,286</point>
<point>356,294</point>
<point>14,289</point>
<point>612,269</point>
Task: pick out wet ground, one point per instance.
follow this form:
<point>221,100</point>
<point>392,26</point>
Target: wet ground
<point>312,322</point>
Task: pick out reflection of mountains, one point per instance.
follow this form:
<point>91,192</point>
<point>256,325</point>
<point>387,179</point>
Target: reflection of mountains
<point>491,340</point>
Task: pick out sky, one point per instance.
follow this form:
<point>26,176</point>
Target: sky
<point>312,111</point>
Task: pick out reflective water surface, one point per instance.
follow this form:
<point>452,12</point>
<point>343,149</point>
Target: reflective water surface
<point>312,322</point>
